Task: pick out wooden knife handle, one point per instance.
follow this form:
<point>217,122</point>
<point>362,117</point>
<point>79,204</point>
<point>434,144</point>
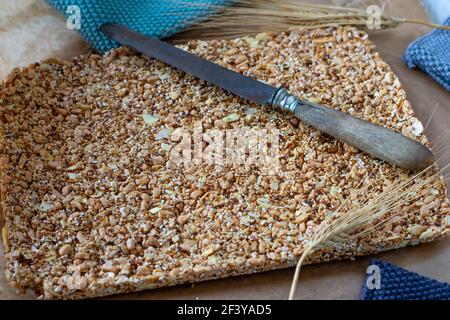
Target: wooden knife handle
<point>376,140</point>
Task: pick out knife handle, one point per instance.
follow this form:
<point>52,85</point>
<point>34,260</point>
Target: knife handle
<point>376,140</point>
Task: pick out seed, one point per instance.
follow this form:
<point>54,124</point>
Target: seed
<point>187,246</point>
<point>224,184</point>
<point>128,188</point>
<point>156,193</point>
<point>230,176</point>
<point>240,59</point>
<point>70,283</point>
<point>81,283</point>
<point>22,160</point>
<point>302,217</point>
<point>427,234</point>
<point>416,229</point>
<point>144,205</point>
<point>149,119</point>
<point>174,95</point>
<point>231,118</point>
<point>155,210</point>
<point>434,192</point>
<point>376,101</point>
<point>209,251</point>
<point>146,197</point>
<point>151,241</point>
<point>262,248</point>
<point>143,181</point>
<point>309,174</point>
<point>66,190</point>
<point>65,250</point>
<point>9,118</point>
<point>131,244</point>
<point>166,213</point>
<point>82,255</point>
<point>183,219</point>
<point>158,160</point>
<point>109,268</point>
<point>429,199</point>
<point>143,271</point>
<point>424,211</point>
<point>81,237</point>
<point>163,134</point>
<point>368,110</point>
<point>196,194</point>
<point>105,203</point>
<point>62,111</point>
<point>389,78</point>
<point>78,205</point>
<point>417,127</point>
<point>122,92</point>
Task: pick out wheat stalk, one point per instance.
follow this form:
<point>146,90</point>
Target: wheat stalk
<point>249,17</point>
<point>354,220</point>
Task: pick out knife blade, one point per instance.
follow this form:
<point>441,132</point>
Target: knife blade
<point>227,79</point>
<point>373,139</point>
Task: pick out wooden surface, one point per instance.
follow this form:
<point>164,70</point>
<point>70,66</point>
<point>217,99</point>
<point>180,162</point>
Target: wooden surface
<point>338,280</point>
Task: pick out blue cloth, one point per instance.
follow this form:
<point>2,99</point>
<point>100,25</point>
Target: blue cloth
<point>400,284</point>
<point>157,18</point>
<point>431,53</point>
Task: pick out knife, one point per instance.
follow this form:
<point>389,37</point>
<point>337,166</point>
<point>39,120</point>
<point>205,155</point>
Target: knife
<point>373,139</point>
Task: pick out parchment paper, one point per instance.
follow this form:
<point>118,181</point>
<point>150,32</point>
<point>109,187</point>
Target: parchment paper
<point>31,30</point>
<point>336,280</point>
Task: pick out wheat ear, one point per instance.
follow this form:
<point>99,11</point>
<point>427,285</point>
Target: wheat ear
<point>344,224</point>
<point>249,17</point>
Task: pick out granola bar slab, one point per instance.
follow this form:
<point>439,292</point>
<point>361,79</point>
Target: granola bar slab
<point>94,204</point>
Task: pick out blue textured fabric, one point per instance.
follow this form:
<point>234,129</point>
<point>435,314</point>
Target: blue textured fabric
<point>431,53</point>
<point>157,18</point>
<point>400,284</point>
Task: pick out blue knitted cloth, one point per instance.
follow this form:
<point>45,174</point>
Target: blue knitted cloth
<point>157,18</point>
<point>400,284</point>
<point>431,53</point>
